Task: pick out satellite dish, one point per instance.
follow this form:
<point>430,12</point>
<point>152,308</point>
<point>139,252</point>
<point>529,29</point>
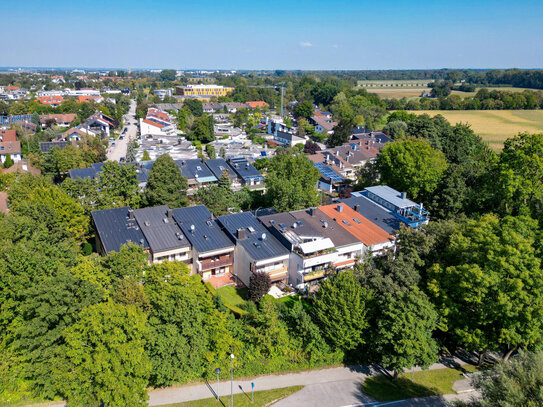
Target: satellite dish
<point>263,236</point>
<point>192,227</point>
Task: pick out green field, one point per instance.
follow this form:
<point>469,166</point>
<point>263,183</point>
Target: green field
<point>494,126</point>
<point>424,384</point>
<point>261,399</point>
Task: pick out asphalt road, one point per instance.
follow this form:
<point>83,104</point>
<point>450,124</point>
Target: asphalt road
<point>115,152</point>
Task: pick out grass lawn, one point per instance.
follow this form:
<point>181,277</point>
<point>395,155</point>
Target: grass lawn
<point>261,399</point>
<point>494,126</point>
<point>233,296</point>
<point>290,300</point>
<point>425,383</point>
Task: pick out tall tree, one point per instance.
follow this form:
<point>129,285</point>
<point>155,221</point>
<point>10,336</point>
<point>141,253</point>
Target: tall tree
<point>291,182</point>
<point>166,185</point>
<point>107,362</point>
<point>340,309</point>
<point>411,165</point>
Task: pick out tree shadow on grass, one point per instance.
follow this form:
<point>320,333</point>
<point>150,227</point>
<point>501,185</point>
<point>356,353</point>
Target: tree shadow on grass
<point>382,388</point>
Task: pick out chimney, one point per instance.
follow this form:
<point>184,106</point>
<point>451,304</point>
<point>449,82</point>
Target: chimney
<point>403,195</point>
<point>131,213</point>
<point>356,208</point>
<point>241,233</point>
<point>170,213</point>
<point>312,211</point>
<point>340,208</point>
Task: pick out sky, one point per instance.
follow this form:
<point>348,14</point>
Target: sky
<point>272,34</point>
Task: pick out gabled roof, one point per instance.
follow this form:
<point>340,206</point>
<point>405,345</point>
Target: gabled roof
<point>255,104</point>
<point>8,135</point>
<point>356,224</point>
<point>154,123</point>
<point>244,168</point>
<point>47,146</point>
<point>201,229</point>
<point>218,166</point>
<point>82,173</point>
<point>115,228</point>
<point>10,147</point>
<point>161,232</point>
<point>257,247</point>
<point>59,118</point>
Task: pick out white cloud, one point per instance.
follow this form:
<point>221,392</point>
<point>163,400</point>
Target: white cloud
<point>335,46</point>
<point>305,44</point>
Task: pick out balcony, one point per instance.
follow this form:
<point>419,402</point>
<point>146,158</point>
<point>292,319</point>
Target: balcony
<point>208,264</point>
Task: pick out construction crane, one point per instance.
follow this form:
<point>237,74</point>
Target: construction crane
<point>281,86</point>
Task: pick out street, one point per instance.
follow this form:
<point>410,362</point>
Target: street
<point>115,152</point>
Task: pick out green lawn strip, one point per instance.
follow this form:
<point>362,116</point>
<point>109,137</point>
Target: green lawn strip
<point>290,300</point>
<point>424,384</point>
<point>234,296</point>
<point>261,398</point>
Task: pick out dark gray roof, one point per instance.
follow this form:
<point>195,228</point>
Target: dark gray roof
<point>218,166</point>
<point>206,235</point>
<point>326,225</point>
<point>256,247</point>
<point>47,146</point>
<point>195,169</point>
<point>161,232</point>
<point>115,228</point>
<point>244,169</point>
<point>289,229</point>
<point>97,166</point>
<point>374,213</point>
<point>82,173</point>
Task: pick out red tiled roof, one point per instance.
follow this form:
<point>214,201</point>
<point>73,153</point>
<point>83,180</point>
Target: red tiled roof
<point>51,100</point>
<point>356,224</point>
<point>12,87</point>
<point>88,98</point>
<point>255,104</point>
<point>152,123</point>
<point>59,118</point>
<point>8,135</point>
<point>10,147</point>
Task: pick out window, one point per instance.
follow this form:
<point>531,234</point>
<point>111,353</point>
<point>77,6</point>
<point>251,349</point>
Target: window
<point>346,222</point>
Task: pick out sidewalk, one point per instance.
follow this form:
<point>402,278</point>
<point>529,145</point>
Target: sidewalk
<point>337,374</point>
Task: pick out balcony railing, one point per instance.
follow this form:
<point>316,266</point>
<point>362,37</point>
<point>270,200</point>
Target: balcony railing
<point>208,264</point>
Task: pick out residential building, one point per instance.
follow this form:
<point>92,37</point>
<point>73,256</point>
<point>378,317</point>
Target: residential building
<point>53,100</point>
<point>203,91</point>
<point>166,240</point>
<point>397,204</point>
<point>61,120</point>
<point>375,139</point>
<point>212,249</point>
<point>8,135</point>
<point>196,173</point>
<point>233,107</point>
<point>374,212</point>
<point>22,167</point>
<point>157,123</point>
<point>115,227</point>
<point>256,249</point>
<point>248,174</point>
<point>47,146</point>
<point>99,123</point>
<point>317,246</point>
<point>323,124</point>
<point>90,98</point>
<point>218,167</point>
<point>9,145</point>
<point>257,104</point>
<point>376,240</point>
<point>162,93</point>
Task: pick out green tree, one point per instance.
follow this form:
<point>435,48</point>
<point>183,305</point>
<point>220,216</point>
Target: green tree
<point>210,150</point>
<point>411,165</point>
<point>303,109</point>
<point>291,182</point>
<point>145,156</point>
<point>516,383</point>
<point>168,75</point>
<point>342,133</point>
<point>395,129</point>
<point>521,175</point>
<point>194,106</point>
<point>259,286</point>
<point>202,129</point>
<point>107,362</point>
<point>488,285</point>
<point>8,161</point>
<point>51,306</point>
<point>166,185</point>
<point>118,185</point>
<point>340,311</point>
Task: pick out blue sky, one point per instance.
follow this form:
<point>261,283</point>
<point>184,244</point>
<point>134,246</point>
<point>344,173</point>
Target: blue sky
<point>275,34</point>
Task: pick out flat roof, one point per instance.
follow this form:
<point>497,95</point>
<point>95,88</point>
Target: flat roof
<point>356,224</point>
<point>161,232</point>
<point>391,195</point>
<point>115,228</point>
<point>374,212</point>
<point>201,229</point>
<point>257,247</point>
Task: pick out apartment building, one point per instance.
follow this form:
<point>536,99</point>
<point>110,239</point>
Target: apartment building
<point>256,249</point>
<point>212,250</point>
<point>203,91</point>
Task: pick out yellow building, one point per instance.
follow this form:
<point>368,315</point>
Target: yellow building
<point>203,90</point>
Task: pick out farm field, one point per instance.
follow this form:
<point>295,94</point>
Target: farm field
<point>494,126</point>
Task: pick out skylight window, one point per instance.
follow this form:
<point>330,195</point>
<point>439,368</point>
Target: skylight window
<point>346,222</point>
<point>356,220</point>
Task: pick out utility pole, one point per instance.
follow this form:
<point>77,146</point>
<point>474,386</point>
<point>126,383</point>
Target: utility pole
<point>232,380</point>
<point>282,88</point>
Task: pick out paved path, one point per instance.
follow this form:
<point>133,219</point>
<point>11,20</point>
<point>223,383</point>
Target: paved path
<point>333,387</point>
<point>114,153</point>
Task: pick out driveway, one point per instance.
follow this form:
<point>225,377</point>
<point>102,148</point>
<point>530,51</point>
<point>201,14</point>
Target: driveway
<point>114,153</point>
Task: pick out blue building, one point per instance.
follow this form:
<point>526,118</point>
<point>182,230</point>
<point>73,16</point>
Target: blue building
<point>396,203</point>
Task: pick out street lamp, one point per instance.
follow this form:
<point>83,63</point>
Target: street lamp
<point>232,380</point>
<point>218,370</point>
